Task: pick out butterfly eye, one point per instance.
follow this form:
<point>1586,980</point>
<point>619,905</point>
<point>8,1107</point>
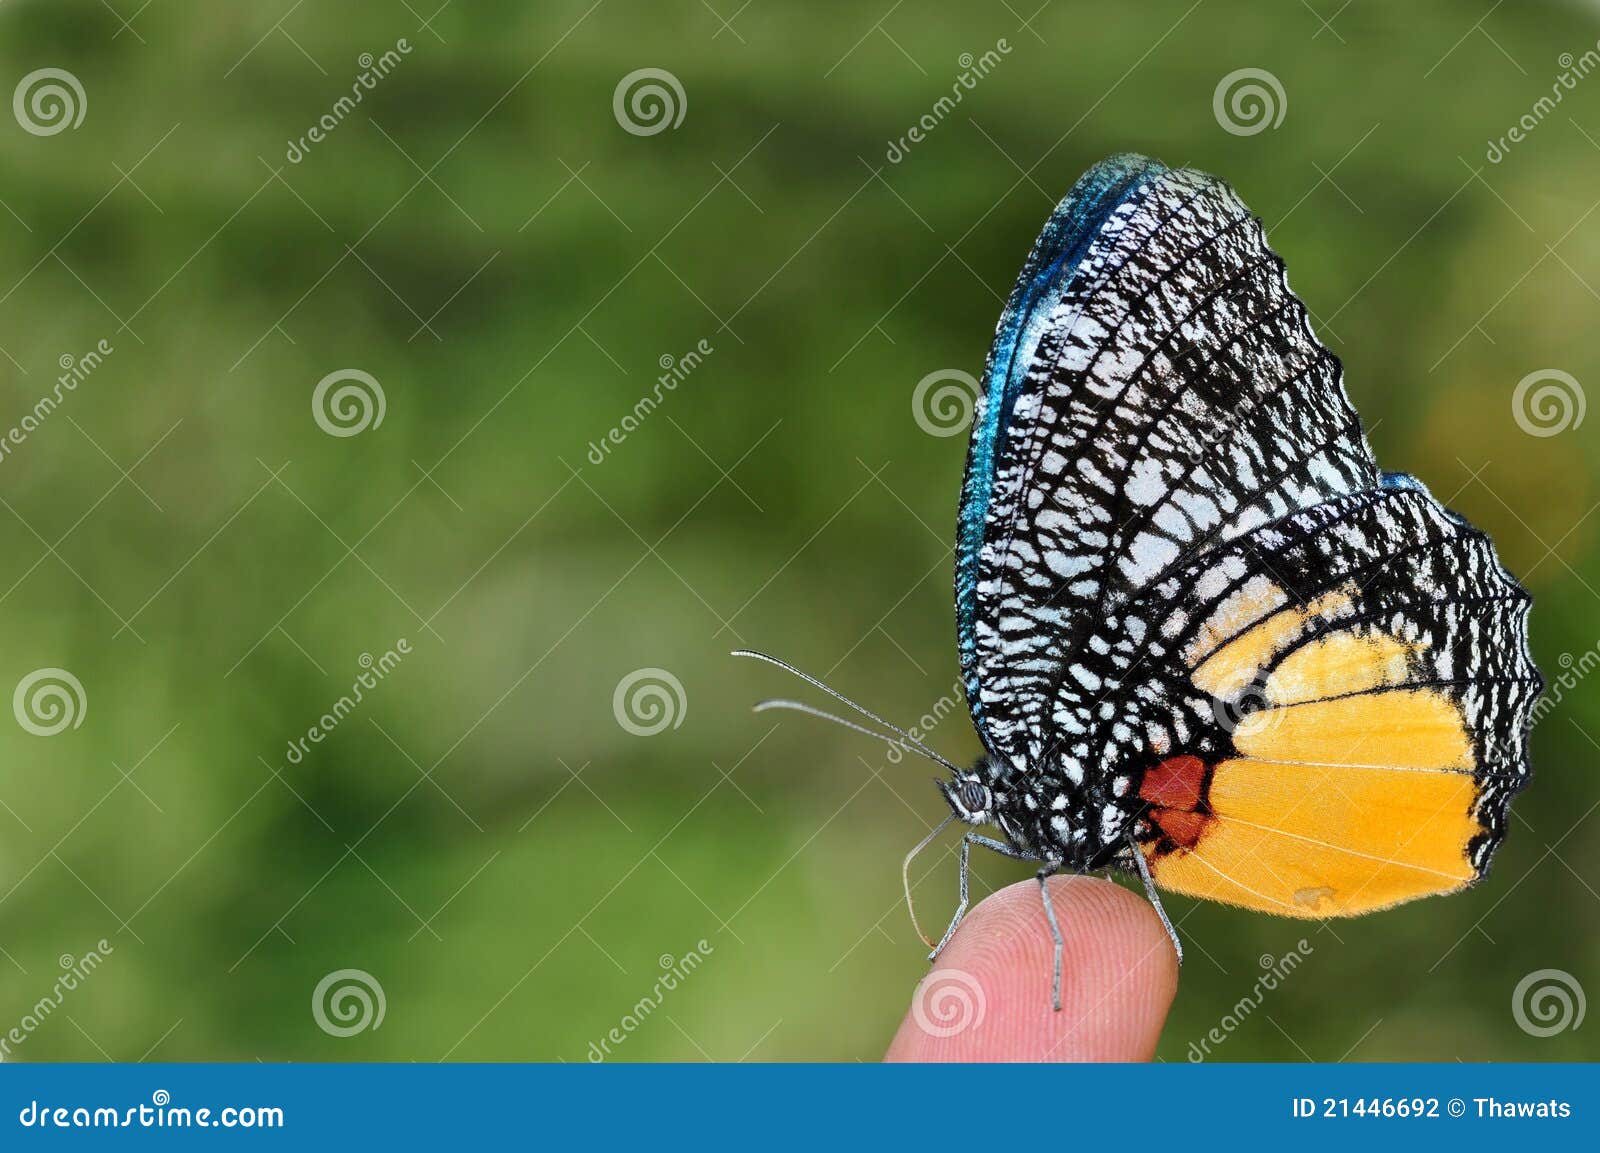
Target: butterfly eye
<point>974,797</point>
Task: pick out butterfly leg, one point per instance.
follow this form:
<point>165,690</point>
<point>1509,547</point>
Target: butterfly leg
<point>967,842</point>
<point>961,906</point>
<point>1055,933</point>
<point>1155,898</point>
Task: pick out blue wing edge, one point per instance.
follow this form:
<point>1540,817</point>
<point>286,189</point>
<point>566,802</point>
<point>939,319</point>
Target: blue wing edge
<point>1048,272</point>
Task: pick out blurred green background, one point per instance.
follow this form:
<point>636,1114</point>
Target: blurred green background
<point>483,237</point>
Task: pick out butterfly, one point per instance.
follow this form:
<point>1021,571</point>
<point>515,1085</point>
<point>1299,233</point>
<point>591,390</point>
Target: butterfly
<point>1203,637</point>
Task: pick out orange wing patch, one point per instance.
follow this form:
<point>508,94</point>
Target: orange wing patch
<point>1332,807</point>
<point>1306,840</point>
<point>1401,728</point>
<point>1229,668</point>
<point>1340,663</point>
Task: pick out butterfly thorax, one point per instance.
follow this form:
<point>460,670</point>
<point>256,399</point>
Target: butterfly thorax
<point>1061,815</point>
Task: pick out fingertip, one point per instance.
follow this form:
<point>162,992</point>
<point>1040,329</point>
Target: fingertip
<point>988,996</point>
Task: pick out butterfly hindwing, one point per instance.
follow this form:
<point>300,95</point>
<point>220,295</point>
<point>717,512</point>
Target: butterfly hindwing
<point>1367,662</point>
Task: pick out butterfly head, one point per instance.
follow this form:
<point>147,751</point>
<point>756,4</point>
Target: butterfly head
<point>970,799</point>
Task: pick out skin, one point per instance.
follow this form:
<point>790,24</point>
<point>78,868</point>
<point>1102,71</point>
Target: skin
<point>1119,975</point>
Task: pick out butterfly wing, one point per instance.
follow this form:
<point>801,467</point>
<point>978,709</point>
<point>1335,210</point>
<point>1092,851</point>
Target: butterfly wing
<point>1190,605</point>
<point>1368,660</point>
<point>1154,388</point>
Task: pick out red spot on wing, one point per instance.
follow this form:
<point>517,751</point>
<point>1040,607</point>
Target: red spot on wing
<point>1182,828</point>
<point>1176,791</point>
<point>1175,783</point>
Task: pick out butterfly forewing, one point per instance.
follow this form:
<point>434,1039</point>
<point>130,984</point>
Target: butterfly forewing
<point>1170,394</point>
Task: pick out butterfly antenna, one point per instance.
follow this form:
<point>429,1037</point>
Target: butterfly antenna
<point>910,740</point>
<point>811,711</point>
<point>905,875</point>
